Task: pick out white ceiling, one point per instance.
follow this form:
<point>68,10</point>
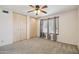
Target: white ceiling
<point>52,9</point>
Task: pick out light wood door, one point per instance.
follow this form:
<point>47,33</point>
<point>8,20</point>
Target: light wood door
<point>33,27</point>
<point>19,27</point>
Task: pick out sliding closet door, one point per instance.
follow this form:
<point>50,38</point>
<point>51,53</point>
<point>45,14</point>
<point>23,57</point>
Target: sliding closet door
<point>19,27</point>
<point>33,27</point>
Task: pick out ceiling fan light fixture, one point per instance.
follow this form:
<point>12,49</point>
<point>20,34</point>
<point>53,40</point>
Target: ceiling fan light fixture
<point>37,12</point>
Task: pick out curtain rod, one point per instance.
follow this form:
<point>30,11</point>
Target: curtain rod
<point>51,18</point>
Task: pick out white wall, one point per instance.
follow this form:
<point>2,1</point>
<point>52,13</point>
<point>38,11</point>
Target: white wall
<point>38,28</point>
<point>6,27</point>
<point>78,27</point>
<point>68,29</point>
<point>6,35</point>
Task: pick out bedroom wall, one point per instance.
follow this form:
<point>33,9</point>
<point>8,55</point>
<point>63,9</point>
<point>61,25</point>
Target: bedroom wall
<point>11,26</point>
<point>38,28</point>
<point>15,27</point>
<point>68,30</point>
<point>78,27</point>
<point>6,30</point>
<point>68,27</point>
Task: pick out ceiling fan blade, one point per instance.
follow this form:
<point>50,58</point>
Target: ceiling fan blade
<point>43,11</point>
<point>44,7</point>
<point>30,11</point>
<point>31,6</point>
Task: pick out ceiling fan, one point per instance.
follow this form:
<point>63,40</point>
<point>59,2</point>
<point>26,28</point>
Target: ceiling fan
<point>38,8</point>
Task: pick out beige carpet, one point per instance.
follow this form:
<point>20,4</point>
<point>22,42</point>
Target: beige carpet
<point>39,46</point>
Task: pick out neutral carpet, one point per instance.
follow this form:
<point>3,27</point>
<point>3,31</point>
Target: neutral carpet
<point>39,46</point>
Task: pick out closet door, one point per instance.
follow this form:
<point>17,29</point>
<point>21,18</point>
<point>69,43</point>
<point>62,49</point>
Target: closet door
<point>19,27</point>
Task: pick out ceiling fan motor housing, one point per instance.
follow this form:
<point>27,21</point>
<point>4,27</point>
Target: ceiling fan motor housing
<point>37,7</point>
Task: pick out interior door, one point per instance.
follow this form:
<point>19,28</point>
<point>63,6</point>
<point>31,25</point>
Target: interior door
<point>19,27</point>
<point>33,29</point>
